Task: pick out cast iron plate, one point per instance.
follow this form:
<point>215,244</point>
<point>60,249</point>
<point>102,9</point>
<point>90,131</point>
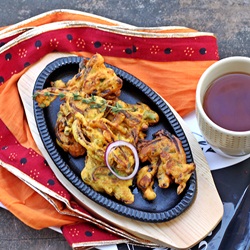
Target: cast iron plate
<point>168,204</point>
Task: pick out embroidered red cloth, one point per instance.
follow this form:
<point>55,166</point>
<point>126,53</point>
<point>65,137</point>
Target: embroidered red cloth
<point>201,48</point>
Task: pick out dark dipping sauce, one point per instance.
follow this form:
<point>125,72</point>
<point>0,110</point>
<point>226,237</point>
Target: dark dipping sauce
<point>227,102</point>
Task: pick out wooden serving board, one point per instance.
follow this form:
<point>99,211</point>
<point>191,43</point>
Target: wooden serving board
<point>184,231</point>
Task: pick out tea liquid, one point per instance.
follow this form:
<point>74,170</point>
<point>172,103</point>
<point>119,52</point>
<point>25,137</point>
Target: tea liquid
<point>227,102</point>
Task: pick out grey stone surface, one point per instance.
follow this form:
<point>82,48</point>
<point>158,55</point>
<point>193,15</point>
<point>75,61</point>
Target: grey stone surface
<point>229,20</point>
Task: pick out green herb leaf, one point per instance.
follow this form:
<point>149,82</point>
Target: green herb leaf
<point>76,97</point>
<point>61,95</point>
<point>35,95</point>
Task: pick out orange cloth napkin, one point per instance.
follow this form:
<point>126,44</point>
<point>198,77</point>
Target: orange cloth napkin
<point>168,59</point>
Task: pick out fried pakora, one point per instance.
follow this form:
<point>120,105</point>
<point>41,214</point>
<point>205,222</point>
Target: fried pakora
<point>91,117</point>
<point>167,160</point>
<point>96,134</point>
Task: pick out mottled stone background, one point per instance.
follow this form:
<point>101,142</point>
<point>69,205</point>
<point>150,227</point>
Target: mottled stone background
<point>228,20</point>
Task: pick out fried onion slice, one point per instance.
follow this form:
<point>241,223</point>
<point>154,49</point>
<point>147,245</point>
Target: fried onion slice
<point>166,154</point>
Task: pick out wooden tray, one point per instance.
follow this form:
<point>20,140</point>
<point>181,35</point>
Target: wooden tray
<point>184,231</point>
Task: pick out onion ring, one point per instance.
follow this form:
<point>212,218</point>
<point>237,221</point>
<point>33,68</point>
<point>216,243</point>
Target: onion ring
<point>116,144</point>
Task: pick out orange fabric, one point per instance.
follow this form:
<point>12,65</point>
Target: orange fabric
<point>20,199</point>
<point>24,202</point>
<point>1,28</point>
<point>14,118</point>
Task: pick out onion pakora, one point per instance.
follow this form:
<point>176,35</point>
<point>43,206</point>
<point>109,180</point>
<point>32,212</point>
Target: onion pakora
<point>167,162</point>
<point>91,117</point>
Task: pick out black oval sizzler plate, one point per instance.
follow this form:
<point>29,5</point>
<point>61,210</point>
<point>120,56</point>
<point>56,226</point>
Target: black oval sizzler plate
<point>167,204</point>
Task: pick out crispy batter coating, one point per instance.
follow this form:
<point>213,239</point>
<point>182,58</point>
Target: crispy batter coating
<point>94,78</point>
<point>167,162</point>
<point>92,116</point>
<point>96,134</point>
<point>100,179</point>
<point>145,181</point>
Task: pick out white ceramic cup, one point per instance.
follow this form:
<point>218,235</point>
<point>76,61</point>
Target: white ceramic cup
<point>225,142</point>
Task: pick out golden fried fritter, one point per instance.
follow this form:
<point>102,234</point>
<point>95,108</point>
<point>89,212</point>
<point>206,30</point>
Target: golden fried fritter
<point>99,80</point>
<point>145,181</point>
<point>133,119</point>
<point>168,160</point>
<point>65,138</point>
<point>94,78</point>
<point>92,116</point>
<point>105,182</point>
<point>95,134</point>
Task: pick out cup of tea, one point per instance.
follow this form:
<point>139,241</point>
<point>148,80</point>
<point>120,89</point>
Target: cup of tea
<point>223,106</point>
